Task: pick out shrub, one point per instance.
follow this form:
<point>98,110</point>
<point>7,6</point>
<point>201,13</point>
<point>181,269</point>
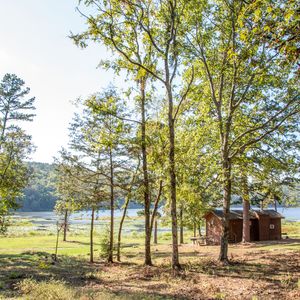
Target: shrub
<point>134,234</point>
<point>51,290</point>
<point>166,236</point>
<point>105,244</point>
<point>15,275</point>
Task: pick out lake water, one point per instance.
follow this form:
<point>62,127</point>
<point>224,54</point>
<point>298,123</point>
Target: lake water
<point>48,217</point>
<point>82,217</point>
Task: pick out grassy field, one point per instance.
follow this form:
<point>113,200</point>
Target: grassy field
<point>263,270</point>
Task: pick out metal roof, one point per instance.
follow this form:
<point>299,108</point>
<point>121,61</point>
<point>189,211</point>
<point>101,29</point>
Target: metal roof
<point>253,214</point>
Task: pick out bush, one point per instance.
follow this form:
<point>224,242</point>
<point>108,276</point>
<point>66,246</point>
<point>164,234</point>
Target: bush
<point>140,213</point>
<point>134,234</point>
<point>105,244</point>
<point>15,275</point>
<point>51,290</point>
<point>166,236</point>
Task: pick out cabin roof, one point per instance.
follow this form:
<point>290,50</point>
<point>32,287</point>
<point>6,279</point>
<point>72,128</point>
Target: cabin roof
<point>253,214</point>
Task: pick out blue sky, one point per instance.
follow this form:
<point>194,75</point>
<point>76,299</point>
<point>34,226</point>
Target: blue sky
<point>35,46</point>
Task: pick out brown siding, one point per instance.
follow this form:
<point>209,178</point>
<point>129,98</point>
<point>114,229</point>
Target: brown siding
<point>213,229</point>
<point>235,231</point>
<point>264,225</point>
<point>275,234</point>
<point>254,230</point>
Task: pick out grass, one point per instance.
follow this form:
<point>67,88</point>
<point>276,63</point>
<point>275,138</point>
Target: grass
<point>291,228</point>
<point>262,270</point>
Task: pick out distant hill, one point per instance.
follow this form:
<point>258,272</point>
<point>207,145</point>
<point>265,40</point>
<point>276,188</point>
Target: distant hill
<point>40,194</point>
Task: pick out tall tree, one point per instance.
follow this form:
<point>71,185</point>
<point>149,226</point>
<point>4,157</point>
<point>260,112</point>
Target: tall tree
<point>157,27</point>
<point>13,104</point>
<point>111,142</point>
<point>15,144</point>
<point>248,92</point>
<point>66,184</point>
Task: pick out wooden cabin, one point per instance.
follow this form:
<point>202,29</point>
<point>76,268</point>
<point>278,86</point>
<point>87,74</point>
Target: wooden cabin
<point>264,225</point>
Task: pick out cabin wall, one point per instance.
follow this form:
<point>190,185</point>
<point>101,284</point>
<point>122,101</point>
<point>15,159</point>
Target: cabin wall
<point>264,227</point>
<point>213,229</point>
<point>254,230</point>
<point>235,231</point>
<point>275,229</point>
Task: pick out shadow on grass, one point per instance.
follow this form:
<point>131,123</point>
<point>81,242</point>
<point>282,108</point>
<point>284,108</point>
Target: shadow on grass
<point>126,295</point>
<point>283,242</point>
<point>134,295</point>
<point>73,271</point>
<point>266,267</point>
<point>81,243</point>
<point>40,266</point>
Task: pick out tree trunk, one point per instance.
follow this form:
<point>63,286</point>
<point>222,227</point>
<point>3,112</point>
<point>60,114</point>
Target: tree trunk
<point>223,257</point>
<point>3,128</point>
<point>57,239</point>
<point>153,217</point>
<point>92,236</point>
<point>147,200</point>
<point>195,229</point>
<point>65,225</point>
<point>172,172</point>
<point>181,225</point>
<point>155,232</point>
<point>275,204</point>
<point>120,230</point>
<point>112,208</point>
<point>124,213</point>
<point>246,209</point>
<point>199,229</point>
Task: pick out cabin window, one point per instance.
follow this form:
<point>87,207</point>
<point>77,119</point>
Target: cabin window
<point>272,226</point>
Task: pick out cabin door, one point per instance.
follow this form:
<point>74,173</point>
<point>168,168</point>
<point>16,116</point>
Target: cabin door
<point>254,230</point>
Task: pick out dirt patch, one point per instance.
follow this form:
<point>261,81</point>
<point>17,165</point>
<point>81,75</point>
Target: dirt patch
<point>252,274</point>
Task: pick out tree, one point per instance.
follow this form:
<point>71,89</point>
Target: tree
<point>13,106</point>
<point>80,182</point>
<point>66,191</point>
<point>275,23</point>
<point>157,27</point>
<point>198,170</point>
<point>15,144</point>
<point>111,143</point>
<point>248,93</point>
<point>265,168</point>
<point>128,197</point>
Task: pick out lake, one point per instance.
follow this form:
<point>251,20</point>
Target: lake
<point>83,217</point>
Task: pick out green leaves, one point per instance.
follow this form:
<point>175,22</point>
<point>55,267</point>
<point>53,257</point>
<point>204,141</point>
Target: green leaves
<point>15,144</point>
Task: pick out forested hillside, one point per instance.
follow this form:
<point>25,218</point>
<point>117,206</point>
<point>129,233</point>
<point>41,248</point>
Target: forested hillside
<point>40,193</point>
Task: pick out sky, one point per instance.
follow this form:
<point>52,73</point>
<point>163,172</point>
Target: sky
<point>35,46</point>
